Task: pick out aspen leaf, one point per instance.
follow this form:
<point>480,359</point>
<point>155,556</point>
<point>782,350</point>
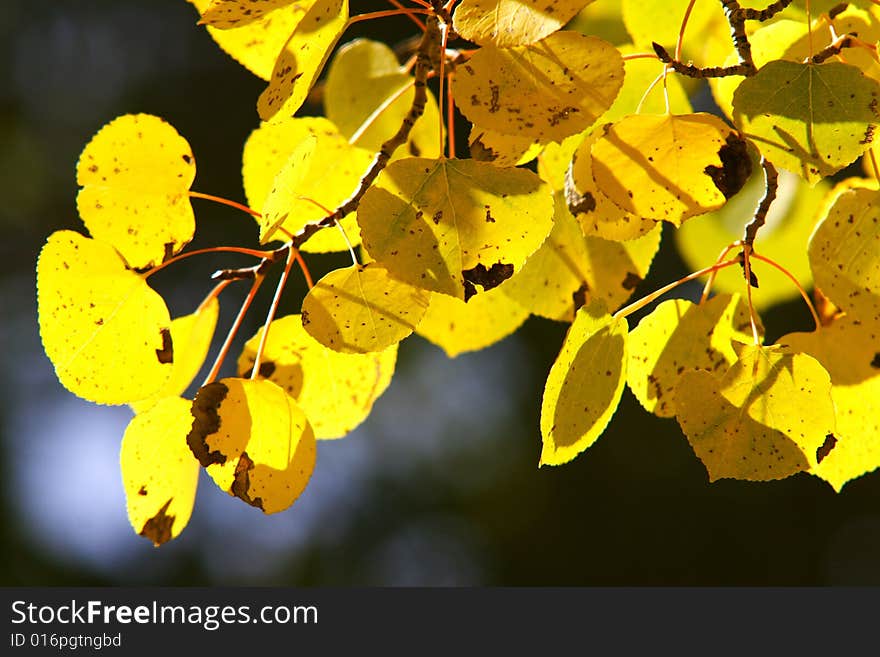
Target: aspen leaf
<point>783,237</point>
<point>844,253</point>
<point>360,309</point>
<point>596,214</point>
<point>506,23</point>
<point>528,91</point>
<point>812,119</point>
<point>336,391</point>
<point>450,225</point>
<point>279,182</point>
<point>191,336</point>
<point>764,419</point>
<point>850,351</point>
<point>672,339</point>
<point>226,14</point>
<point>159,473</point>
<point>501,150</point>
<point>301,60</point>
<point>254,440</point>
<point>668,166</point>
<point>365,82</point>
<point>457,326</point>
<point>256,44</point>
<point>135,175</point>
<point>569,270</point>
<point>659,21</point>
<point>105,330</point>
<point>584,385</point>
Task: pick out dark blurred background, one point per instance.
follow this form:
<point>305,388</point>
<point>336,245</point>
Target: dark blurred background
<point>440,486</point>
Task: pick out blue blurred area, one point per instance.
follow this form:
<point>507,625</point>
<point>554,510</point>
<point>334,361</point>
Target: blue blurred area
<point>439,487</point>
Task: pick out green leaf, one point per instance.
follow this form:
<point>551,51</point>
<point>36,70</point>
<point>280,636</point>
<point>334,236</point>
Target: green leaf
<point>812,119</point>
<point>584,385</point>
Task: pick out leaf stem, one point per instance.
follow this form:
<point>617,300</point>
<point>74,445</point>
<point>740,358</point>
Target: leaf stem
<point>450,114</point>
<point>382,14</point>
<point>639,55</point>
<point>227,343</point>
<point>291,256</point>
<point>212,249</point>
<point>794,280</point>
<point>412,17</point>
<point>711,280</point>
<point>225,201</point>
<point>213,294</point>
<point>644,301</point>
<point>372,118</point>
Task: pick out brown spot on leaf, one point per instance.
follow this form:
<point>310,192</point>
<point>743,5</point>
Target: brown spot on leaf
<point>580,296</point>
<point>305,318</point>
<point>166,353</point>
<point>169,251</point>
<point>736,166</point>
<point>241,484</point>
<point>876,362</point>
<point>631,281</point>
<point>158,528</point>
<point>206,421</point>
<point>494,105</point>
<point>187,158</point>
<point>826,447</point>
<point>579,203</point>
<point>267,368</point>
<point>481,152</point>
<point>488,278</point>
<point>142,490</point>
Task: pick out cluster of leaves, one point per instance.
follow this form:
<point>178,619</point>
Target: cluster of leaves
<point>578,154</point>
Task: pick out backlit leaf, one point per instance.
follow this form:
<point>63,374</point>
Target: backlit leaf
<point>159,473</point>
<point>659,21</point>
<point>360,309</point>
<point>501,150</point>
<point>135,175</point>
<point>450,225</point>
<point>597,214</point>
<point>191,336</point>
<point>457,326</point>
<point>300,62</point>
<point>679,336</point>
<point>506,23</point>
<point>810,119</point>
<point>764,419</point>
<point>256,45</point>
<point>336,391</point>
<point>327,173</point>
<point>783,237</point>
<point>844,253</point>
<point>569,270</point>
<point>584,385</point>
<point>254,440</point>
<point>226,14</point>
<point>850,351</point>
<point>668,166</point>
<point>366,82</point>
<point>105,330</point>
<point>529,91</point>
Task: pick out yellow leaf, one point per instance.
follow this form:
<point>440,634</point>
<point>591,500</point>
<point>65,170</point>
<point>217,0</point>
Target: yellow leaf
<point>366,82</point>
<point>360,309</point>
<point>848,349</point>
<point>501,150</point>
<point>449,225</point>
<point>659,21</point>
<point>506,23</point>
<point>336,391</point>
<point>669,166</point>
<point>569,270</point>
<point>812,119</point>
<point>679,336</point>
<point>105,330</point>
<point>159,472</point>
<point>765,419</point>
<point>255,45</point>
<point>254,440</point>
<point>844,253</point>
<point>191,335</point>
<point>584,385</point>
<point>135,175</point>
<point>597,214</point>
<point>285,190</point>
<point>330,173</point>
<point>227,14</point>
<point>300,62</point>
<point>457,326</point>
<point>528,91</point>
